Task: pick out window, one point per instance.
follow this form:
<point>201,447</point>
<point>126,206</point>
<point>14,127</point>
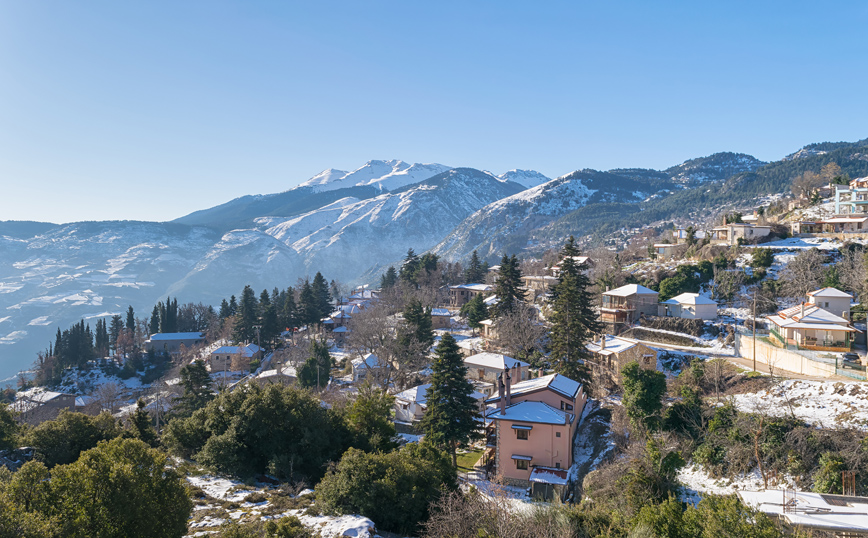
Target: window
<point>521,434</point>
<point>569,407</point>
<point>557,434</point>
<point>557,465</point>
<point>521,464</point>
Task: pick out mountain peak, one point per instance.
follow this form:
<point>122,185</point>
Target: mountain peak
<point>527,178</point>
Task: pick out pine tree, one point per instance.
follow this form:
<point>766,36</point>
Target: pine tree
<point>315,371</point>
<point>142,428</point>
<point>574,321</point>
<point>247,317</point>
<point>410,268</point>
<point>475,310</point>
<point>451,417</point>
<point>117,325</point>
<point>419,325</point>
<point>233,306</point>
<point>474,274</point>
<point>308,313</point>
<point>197,389</point>
<point>508,286</point>
<point>289,314</point>
<point>268,312</point>
<point>322,297</point>
<point>224,309</point>
<point>389,278</point>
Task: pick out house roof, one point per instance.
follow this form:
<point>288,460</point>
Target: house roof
<point>613,344</point>
<point>440,312</point>
<point>369,361</point>
<point>690,298</point>
<point>248,351</point>
<point>811,510</point>
<point>630,289</point>
<point>536,412</point>
<point>418,394</point>
<point>168,337</point>
<point>472,287</point>
<point>341,329</point>
<point>550,475</point>
<point>811,313</point>
<point>829,292</point>
<point>556,382</point>
<point>496,361</point>
<point>39,395</point>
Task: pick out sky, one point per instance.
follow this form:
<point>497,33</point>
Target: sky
<point>151,110</point>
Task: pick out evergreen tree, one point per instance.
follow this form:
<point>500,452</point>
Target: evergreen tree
<point>508,286</point>
<point>450,419</point>
<point>474,274</point>
<point>289,315</point>
<point>410,268</point>
<point>131,319</point>
<point>270,322</point>
<point>475,310</point>
<point>197,389</point>
<point>419,326</point>
<point>308,313</point>
<point>233,306</point>
<point>315,371</point>
<point>247,317</point>
<point>140,422</point>
<point>117,325</point>
<point>574,321</point>
<point>224,309</point>
<point>389,278</point>
<point>322,297</point>
<point>154,324</point>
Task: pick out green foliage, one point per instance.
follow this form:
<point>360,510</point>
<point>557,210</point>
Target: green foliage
<point>60,441</point>
<point>278,430</point>
<point>419,325</point>
<point>762,257</point>
<point>828,478</point>
<point>573,318</point>
<point>315,370</point>
<point>369,418</point>
<point>122,488</point>
<point>141,425</point>
<point>643,393</point>
<point>389,278</point>
<point>475,310</point>
<point>687,279</point>
<point>8,427</point>
<point>248,316</point>
<point>713,517</point>
<point>450,418</point>
<point>476,271</point>
<point>394,489</point>
<point>198,390</point>
<point>508,286</point>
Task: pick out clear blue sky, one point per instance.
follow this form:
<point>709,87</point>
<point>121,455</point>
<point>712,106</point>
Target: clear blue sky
<point>150,110</point>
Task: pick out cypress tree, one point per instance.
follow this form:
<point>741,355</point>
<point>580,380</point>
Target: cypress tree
<point>574,321</point>
<point>131,319</point>
<point>154,325</point>
<point>508,286</point>
<point>451,417</point>
<point>247,317</point>
<point>117,325</point>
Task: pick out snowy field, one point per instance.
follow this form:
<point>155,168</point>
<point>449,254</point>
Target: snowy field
<point>696,483</point>
<point>819,403</point>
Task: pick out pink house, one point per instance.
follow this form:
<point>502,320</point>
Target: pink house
<point>531,433</point>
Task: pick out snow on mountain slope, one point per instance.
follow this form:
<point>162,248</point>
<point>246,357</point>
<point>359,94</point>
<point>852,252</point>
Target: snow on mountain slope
<point>505,225</point>
<point>528,178</point>
<point>344,240</point>
<point>385,175</point>
<point>715,167</point>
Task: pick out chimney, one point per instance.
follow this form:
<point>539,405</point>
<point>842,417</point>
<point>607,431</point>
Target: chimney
<point>802,311</point>
<point>500,394</point>
<point>542,372</point>
<point>602,341</point>
<point>508,389</point>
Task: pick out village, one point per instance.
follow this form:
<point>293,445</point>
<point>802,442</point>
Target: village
<point>687,299</point>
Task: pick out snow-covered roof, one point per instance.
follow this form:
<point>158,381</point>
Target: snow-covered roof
<point>537,412</point>
<point>829,292</point>
<point>440,312</point>
<point>550,475</point>
<point>811,313</point>
<point>613,344</point>
<point>342,329</point>
<point>39,395</point>
<point>496,361</point>
<point>167,337</point>
<point>418,394</point>
<point>369,361</point>
<point>630,289</point>
<point>810,510</point>
<point>842,220</point>
<point>491,301</point>
<point>690,298</point>
<point>286,370</point>
<point>556,382</point>
<point>248,351</point>
<point>472,287</point>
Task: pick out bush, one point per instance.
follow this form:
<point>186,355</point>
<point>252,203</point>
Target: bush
<point>393,489</point>
<point>762,258</point>
<point>60,441</point>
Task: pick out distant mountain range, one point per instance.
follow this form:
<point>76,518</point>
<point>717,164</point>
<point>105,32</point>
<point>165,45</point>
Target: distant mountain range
<point>351,226</point>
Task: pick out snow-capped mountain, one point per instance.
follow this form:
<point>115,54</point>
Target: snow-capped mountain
<point>384,175</point>
<point>715,167</point>
<point>528,178</point>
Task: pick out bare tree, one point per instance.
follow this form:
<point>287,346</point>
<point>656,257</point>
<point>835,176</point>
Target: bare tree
<point>107,396</point>
<point>803,274</point>
<point>852,271</point>
<point>805,184</point>
<point>726,283</point>
<point>520,332</point>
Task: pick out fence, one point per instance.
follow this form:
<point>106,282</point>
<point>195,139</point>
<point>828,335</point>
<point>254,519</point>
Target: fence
<point>789,359</point>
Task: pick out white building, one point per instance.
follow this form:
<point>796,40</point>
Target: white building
<point>689,306</point>
<point>832,300</point>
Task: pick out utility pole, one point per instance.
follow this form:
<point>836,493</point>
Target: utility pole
<point>754,330</point>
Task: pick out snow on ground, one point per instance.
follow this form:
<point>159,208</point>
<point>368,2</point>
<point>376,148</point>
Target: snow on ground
<point>696,483</point>
<point>805,243</point>
<point>220,488</point>
<point>329,526</point>
<point>819,403</point>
